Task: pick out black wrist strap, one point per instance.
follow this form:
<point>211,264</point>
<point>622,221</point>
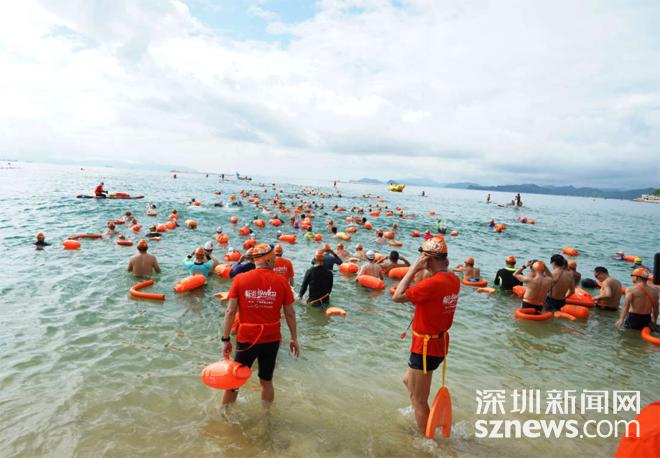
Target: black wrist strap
<point>225,339</point>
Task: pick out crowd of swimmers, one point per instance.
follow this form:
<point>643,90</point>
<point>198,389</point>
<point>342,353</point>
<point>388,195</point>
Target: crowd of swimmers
<point>263,280</point>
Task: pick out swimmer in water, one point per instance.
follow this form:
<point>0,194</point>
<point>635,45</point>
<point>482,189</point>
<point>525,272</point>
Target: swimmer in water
<point>610,290</point>
<point>380,239</point>
<point>111,231</point>
<point>563,284</point>
<point>341,252</point>
<point>359,254</point>
<point>392,261</point>
<point>201,264</point>
<point>640,306</point>
<point>537,285</point>
<point>470,273</point>
<point>370,267</point>
<point>41,241</point>
<point>143,264</point>
<point>208,248</point>
<point>577,276</point>
<point>153,232</point>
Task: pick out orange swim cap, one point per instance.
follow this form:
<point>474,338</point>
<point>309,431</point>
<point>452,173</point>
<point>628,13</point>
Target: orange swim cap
<point>318,256</point>
<point>142,244</point>
<point>641,273</point>
<point>262,252</point>
<point>572,265</point>
<point>538,266</point>
<point>200,250</point>
<point>434,247</point>
<point>326,247</point>
<point>470,261</point>
<point>278,249</point>
<point>511,259</point>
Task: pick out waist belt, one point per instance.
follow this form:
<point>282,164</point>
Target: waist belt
<point>319,299</point>
<point>262,326</point>
<point>426,338</point>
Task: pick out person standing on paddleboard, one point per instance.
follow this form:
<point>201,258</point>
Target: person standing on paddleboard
<point>435,299</point>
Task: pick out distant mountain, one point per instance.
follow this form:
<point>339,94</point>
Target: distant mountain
<point>565,191</point>
<point>367,181</point>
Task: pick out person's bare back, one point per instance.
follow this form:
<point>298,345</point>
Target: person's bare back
<point>563,283</point>
<point>372,269</point>
<point>644,299</point>
<point>611,292</point>
<point>536,288</point>
<point>143,265</point>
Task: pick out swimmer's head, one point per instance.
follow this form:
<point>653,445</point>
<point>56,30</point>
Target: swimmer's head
<point>278,250</point>
<point>263,255</point>
<point>208,246</point>
<point>469,261</point>
<point>359,247</point>
<point>600,271</point>
<point>326,247</point>
<point>174,211</point>
<point>511,260</point>
<point>340,246</point>
<point>394,256</point>
<point>379,232</point>
<point>218,230</point>
<point>153,229</point>
<point>128,213</point>
<point>538,266</point>
<point>318,257</point>
<point>558,260</point>
<point>640,273</point>
<point>572,265</point>
<point>200,253</point>
<point>142,246</point>
<point>638,260</point>
<point>111,225</point>
<point>40,236</point>
<point>371,255</point>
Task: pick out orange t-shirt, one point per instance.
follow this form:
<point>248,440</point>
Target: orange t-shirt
<point>435,300</point>
<point>283,267</point>
<point>261,293</point>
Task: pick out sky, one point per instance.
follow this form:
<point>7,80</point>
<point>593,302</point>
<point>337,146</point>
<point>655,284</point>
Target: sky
<point>493,92</point>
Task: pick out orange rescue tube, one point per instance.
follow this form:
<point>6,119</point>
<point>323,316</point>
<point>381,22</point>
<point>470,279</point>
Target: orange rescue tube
<point>395,243</point>
<point>440,414</point>
<point>188,283</point>
<point>135,291</point>
<point>629,258</point>
<point>125,242</point>
<point>225,375</point>
<point>570,251</point>
<point>71,244</point>
<point>367,281</point>
<point>388,234</point>
<point>518,290</point>
<point>233,256</point>
<point>530,314</point>
<point>486,290</point>
<point>289,238</point>
<point>564,315</point>
<point>335,311</point>
<point>136,228</point>
<point>349,268</point>
<point>275,222</point>
<point>480,283</point>
<point>85,236</point>
<point>222,270</point>
<point>581,297</point>
<point>647,337</point>
<point>576,310</point>
<point>415,234</point>
<point>398,272</point>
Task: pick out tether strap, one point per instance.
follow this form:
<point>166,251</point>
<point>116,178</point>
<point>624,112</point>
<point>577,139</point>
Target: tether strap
<point>262,326</point>
<point>318,300</point>
<point>426,338</point>
<point>444,361</point>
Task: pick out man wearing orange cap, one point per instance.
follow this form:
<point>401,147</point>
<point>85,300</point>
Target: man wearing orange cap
<point>435,299</point>
<point>283,266</point>
<point>259,295</point>
<point>470,273</point>
<point>319,280</point>
<point>640,306</point>
<point>41,241</point>
<point>341,252</point>
<point>143,263</point>
<point>504,277</point>
<point>537,284</point>
<point>330,258</point>
<point>201,264</point>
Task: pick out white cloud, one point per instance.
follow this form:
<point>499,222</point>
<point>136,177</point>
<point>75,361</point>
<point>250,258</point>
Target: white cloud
<point>494,92</point>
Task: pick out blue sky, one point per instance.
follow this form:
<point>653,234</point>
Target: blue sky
<point>494,92</point>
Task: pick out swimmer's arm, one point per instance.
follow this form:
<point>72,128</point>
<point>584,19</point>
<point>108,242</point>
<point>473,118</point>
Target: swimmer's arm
<point>605,292</point>
<point>624,311</point>
<point>360,272</point>
<point>130,265</point>
<point>290,316</point>
<point>230,316</point>
<point>571,290</point>
<point>406,263</point>
<point>400,293</point>
<point>156,266</point>
<point>305,284</point>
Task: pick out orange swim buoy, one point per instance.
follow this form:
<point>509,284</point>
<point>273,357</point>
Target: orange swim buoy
<point>222,270</point>
<point>530,314</point>
<point>335,311</point>
<point>576,310</point>
<point>351,229</point>
<point>225,375</point>
<point>395,243</point>
<point>453,233</point>
<point>570,251</point>
<point>249,244</point>
<point>136,228</point>
<point>374,214</point>
<point>197,204</point>
<point>125,242</point>
<point>564,315</point>
<point>222,239</point>
<point>367,281</point>
<point>289,238</point>
<point>135,291</point>
<point>398,272</point>
<point>259,223</point>
<point>188,283</point>
<point>161,228</point>
<point>318,237</point>
<point>244,231</point>
<point>349,268</point>
<point>71,244</point>
<point>629,258</point>
<point>581,297</point>
<point>275,222</point>
<point>486,290</point>
<point>388,234</point>
<point>233,256</point>
<point>480,283</point>
<point>644,443</point>
<point>152,214</point>
<point>85,236</point>
<point>119,221</point>
<point>170,225</point>
<point>415,234</point>
<point>368,226</point>
<point>518,290</point>
<point>233,219</point>
<point>647,337</point>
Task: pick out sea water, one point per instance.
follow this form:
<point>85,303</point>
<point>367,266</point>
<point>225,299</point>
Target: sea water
<point>85,370</point>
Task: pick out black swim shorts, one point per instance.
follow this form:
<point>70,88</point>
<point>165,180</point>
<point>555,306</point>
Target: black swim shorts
<point>553,304</point>
<point>637,321</point>
<point>416,361</point>
<point>538,308</point>
<point>264,353</point>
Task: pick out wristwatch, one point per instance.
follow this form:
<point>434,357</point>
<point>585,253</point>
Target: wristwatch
<point>225,339</point>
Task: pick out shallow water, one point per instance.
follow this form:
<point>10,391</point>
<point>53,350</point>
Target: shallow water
<point>87,371</point>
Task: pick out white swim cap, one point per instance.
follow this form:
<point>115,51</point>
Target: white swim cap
<point>208,246</point>
<point>230,250</point>
<point>371,254</point>
<point>219,230</point>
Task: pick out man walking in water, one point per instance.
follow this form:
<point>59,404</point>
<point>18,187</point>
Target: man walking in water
<point>259,295</point>
<point>610,290</point>
<point>563,284</point>
<point>537,285</point>
<point>143,263</point>
<point>640,306</point>
<point>435,300</point>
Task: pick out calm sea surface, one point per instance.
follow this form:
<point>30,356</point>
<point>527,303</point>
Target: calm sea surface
<point>87,371</point>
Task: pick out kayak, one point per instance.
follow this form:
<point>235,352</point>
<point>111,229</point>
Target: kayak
<point>118,195</point>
